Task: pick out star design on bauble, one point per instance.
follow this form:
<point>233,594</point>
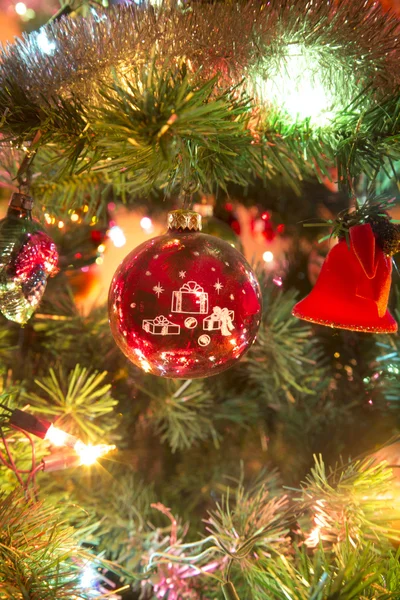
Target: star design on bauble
<point>158,289</point>
<point>218,286</point>
<point>182,274</point>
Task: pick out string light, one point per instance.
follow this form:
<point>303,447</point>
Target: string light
<point>97,585</point>
<point>59,438</point>
<point>85,454</point>
<point>88,578</point>
<point>89,454</point>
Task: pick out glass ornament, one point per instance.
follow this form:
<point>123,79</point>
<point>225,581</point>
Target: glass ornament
<point>184,304</point>
<point>28,256</point>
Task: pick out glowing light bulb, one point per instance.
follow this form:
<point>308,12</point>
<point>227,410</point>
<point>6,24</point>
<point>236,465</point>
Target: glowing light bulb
<point>88,578</point>
<point>89,454</point>
<point>117,236</point>
<point>298,86</point>
<point>45,45</point>
<point>146,224</point>
<point>101,248</point>
<point>20,8</point>
<point>58,437</point>
<point>268,256</point>
<point>60,224</point>
<point>74,217</point>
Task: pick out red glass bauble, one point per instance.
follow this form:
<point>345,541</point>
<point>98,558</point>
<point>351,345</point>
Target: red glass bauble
<point>38,251</point>
<point>98,236</point>
<point>353,287</point>
<point>184,304</point>
<point>28,256</point>
<point>228,215</point>
<point>262,225</point>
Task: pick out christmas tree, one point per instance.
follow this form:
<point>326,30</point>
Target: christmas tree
<point>236,447</point>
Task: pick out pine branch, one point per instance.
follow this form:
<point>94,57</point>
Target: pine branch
<point>181,414</point>
<point>250,522</point>
<point>110,510</point>
<point>58,326</point>
<point>62,194</point>
<point>161,124</point>
<point>351,503</point>
<point>285,358</point>
<point>319,577</point>
<point>8,345</point>
<point>371,139</point>
<point>39,558</point>
<point>80,399</point>
<point>383,381</point>
<point>360,564</point>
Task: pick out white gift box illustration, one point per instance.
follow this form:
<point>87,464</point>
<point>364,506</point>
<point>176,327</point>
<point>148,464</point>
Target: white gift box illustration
<point>191,298</point>
<point>161,326</point>
<point>221,319</point>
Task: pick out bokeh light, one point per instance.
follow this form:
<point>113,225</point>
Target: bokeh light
<point>146,224</point>
<point>117,236</point>
<point>268,256</point>
<point>20,8</point>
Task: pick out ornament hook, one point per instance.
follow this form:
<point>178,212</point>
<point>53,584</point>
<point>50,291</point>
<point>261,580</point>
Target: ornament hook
<point>186,196</point>
<point>24,174</point>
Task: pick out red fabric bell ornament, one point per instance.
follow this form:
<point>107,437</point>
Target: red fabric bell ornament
<point>353,287</point>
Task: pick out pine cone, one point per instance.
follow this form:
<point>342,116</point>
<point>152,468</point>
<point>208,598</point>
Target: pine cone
<point>387,234</point>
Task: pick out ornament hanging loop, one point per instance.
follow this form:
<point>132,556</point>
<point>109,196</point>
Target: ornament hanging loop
<point>228,589</point>
<point>186,196</point>
<point>24,175</point>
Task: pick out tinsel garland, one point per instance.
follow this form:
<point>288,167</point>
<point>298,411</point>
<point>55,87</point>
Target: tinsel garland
<point>353,43</point>
<point>191,96</point>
